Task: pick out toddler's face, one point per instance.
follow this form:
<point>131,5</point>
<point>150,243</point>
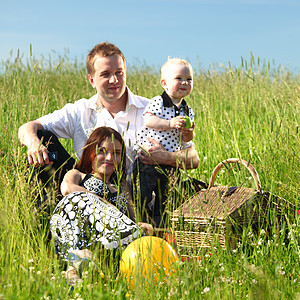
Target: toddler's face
<point>178,81</point>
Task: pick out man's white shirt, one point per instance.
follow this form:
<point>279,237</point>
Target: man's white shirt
<point>77,121</point>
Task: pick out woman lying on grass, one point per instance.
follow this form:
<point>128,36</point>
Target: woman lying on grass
<point>97,207</point>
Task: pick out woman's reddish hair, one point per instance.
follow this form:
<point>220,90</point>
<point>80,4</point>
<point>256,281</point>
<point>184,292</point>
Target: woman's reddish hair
<point>85,164</point>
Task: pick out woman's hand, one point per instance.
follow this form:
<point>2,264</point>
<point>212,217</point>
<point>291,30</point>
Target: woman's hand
<point>147,228</point>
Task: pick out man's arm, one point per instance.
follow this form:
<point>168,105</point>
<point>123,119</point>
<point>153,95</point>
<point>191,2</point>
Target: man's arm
<point>37,152</point>
<point>186,158</point>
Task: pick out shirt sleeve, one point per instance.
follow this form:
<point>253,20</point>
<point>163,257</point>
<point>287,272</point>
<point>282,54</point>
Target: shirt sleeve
<point>155,106</point>
<point>62,122</point>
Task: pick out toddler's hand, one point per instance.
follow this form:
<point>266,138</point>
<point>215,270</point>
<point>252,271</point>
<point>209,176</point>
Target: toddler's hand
<point>188,130</point>
<point>177,122</point>
<point>188,133</point>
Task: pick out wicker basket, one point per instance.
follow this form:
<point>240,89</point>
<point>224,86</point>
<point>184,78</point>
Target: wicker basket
<point>219,213</point>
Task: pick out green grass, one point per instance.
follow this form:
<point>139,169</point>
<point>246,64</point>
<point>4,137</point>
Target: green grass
<point>250,112</point>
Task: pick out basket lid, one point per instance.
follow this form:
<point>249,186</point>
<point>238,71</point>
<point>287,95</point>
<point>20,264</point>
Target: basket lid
<point>216,202</point>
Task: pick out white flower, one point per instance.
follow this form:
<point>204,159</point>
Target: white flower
<point>172,292</point>
<point>262,232</point>
<point>281,272</point>
<point>30,260</point>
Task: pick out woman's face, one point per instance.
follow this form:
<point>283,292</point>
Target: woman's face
<point>108,157</point>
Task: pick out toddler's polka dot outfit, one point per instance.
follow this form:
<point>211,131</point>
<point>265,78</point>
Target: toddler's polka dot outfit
<point>164,108</point>
<point>150,179</point>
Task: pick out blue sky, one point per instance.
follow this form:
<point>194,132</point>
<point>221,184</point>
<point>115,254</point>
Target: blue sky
<point>148,31</point>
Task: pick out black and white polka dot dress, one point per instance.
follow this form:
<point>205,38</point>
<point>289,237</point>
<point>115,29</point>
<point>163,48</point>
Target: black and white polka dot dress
<point>163,107</point>
<point>82,219</point>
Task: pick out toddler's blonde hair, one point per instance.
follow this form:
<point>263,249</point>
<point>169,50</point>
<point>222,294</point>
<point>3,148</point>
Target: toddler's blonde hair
<point>173,61</point>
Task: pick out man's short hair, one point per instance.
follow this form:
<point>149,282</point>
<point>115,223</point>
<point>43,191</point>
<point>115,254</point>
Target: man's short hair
<point>103,49</point>
<point>173,61</point>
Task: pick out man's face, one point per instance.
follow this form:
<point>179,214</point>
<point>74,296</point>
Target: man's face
<point>110,78</point>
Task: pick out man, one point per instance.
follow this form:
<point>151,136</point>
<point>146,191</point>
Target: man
<point>114,106</point>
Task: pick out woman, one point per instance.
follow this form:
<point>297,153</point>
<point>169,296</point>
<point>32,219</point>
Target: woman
<point>97,200</point>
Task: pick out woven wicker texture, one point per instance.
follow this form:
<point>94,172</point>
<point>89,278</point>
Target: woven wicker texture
<point>215,213</point>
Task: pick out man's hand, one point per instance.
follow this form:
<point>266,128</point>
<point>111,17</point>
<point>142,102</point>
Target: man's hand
<point>186,158</point>
<point>155,154</point>
<point>38,154</point>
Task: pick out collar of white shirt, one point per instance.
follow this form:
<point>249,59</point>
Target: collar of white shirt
<point>133,100</point>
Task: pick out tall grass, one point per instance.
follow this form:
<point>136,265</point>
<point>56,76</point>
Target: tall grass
<point>250,112</point>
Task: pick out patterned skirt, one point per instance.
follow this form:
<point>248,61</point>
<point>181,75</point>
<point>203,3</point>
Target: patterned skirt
<point>81,220</point>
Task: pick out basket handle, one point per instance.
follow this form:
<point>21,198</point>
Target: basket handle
<point>233,161</point>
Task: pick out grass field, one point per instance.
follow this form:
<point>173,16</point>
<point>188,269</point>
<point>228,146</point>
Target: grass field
<point>250,112</point>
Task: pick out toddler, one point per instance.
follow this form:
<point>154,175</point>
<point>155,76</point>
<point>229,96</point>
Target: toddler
<point>166,121</point>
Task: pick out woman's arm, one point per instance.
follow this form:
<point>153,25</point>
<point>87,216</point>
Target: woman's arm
<point>147,228</point>
<point>71,182</point>
<point>130,206</point>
